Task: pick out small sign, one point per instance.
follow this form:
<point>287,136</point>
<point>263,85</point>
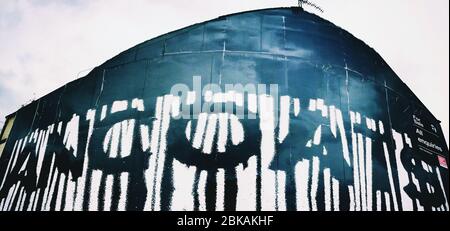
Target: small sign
<point>442,161</point>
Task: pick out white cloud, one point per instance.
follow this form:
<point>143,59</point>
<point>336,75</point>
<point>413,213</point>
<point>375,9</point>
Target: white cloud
<point>46,43</point>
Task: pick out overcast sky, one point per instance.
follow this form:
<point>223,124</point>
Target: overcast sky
<point>46,43</point>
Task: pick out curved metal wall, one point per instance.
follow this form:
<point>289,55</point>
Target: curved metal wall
<point>274,109</point>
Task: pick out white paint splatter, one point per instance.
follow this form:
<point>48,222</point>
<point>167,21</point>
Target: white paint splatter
<point>267,151</point>
<point>308,144</point>
<point>401,173</point>
<point>387,200</point>
<point>419,207</point>
<point>19,199</point>
<point>103,113</point>
<point>24,164</point>
<point>355,164</point>
<point>122,204</point>
<point>252,103</point>
<point>407,140</point>
<point>314,182</point>
<point>378,200</point>
<point>296,106</point>
<point>156,126</point>
<point>368,123</point>
<point>36,199</point>
<point>369,173</point>
<point>94,190</point>
<point>52,190</point>
<point>187,131</point>
<point>43,146</point>
<point>223,132</point>
<point>47,188</point>
<point>381,127</point>
<point>340,124</point>
<point>198,136</point>
<point>137,104</point>
<point>150,173</point>
<point>335,186</point>
<point>165,121</point>
<point>30,203</point>
<point>201,190</point>
<point>333,121</point>
<point>281,194</point>
<point>210,133</point>
<point>319,104</point>
<point>114,144</point>
<point>176,103</point>
<point>183,180</point>
<point>362,172</point>
<point>108,192</point>
<point>220,189</point>
<point>301,185</point>
<point>246,180</point>
<point>284,118</point>
<point>70,193</point>
<point>62,181</point>
<point>22,203</point>
<point>13,197</point>
<point>317,135</point>
<point>351,194</point>
<point>327,188</point>
<point>145,138</point>
<point>312,105</point>
<point>8,198</point>
<point>237,131</point>
<point>119,105</point>
<point>127,137</point>
<point>374,125</point>
<point>13,153</point>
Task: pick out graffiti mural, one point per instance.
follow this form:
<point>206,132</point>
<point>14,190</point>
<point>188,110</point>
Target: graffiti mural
<point>218,122</point>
